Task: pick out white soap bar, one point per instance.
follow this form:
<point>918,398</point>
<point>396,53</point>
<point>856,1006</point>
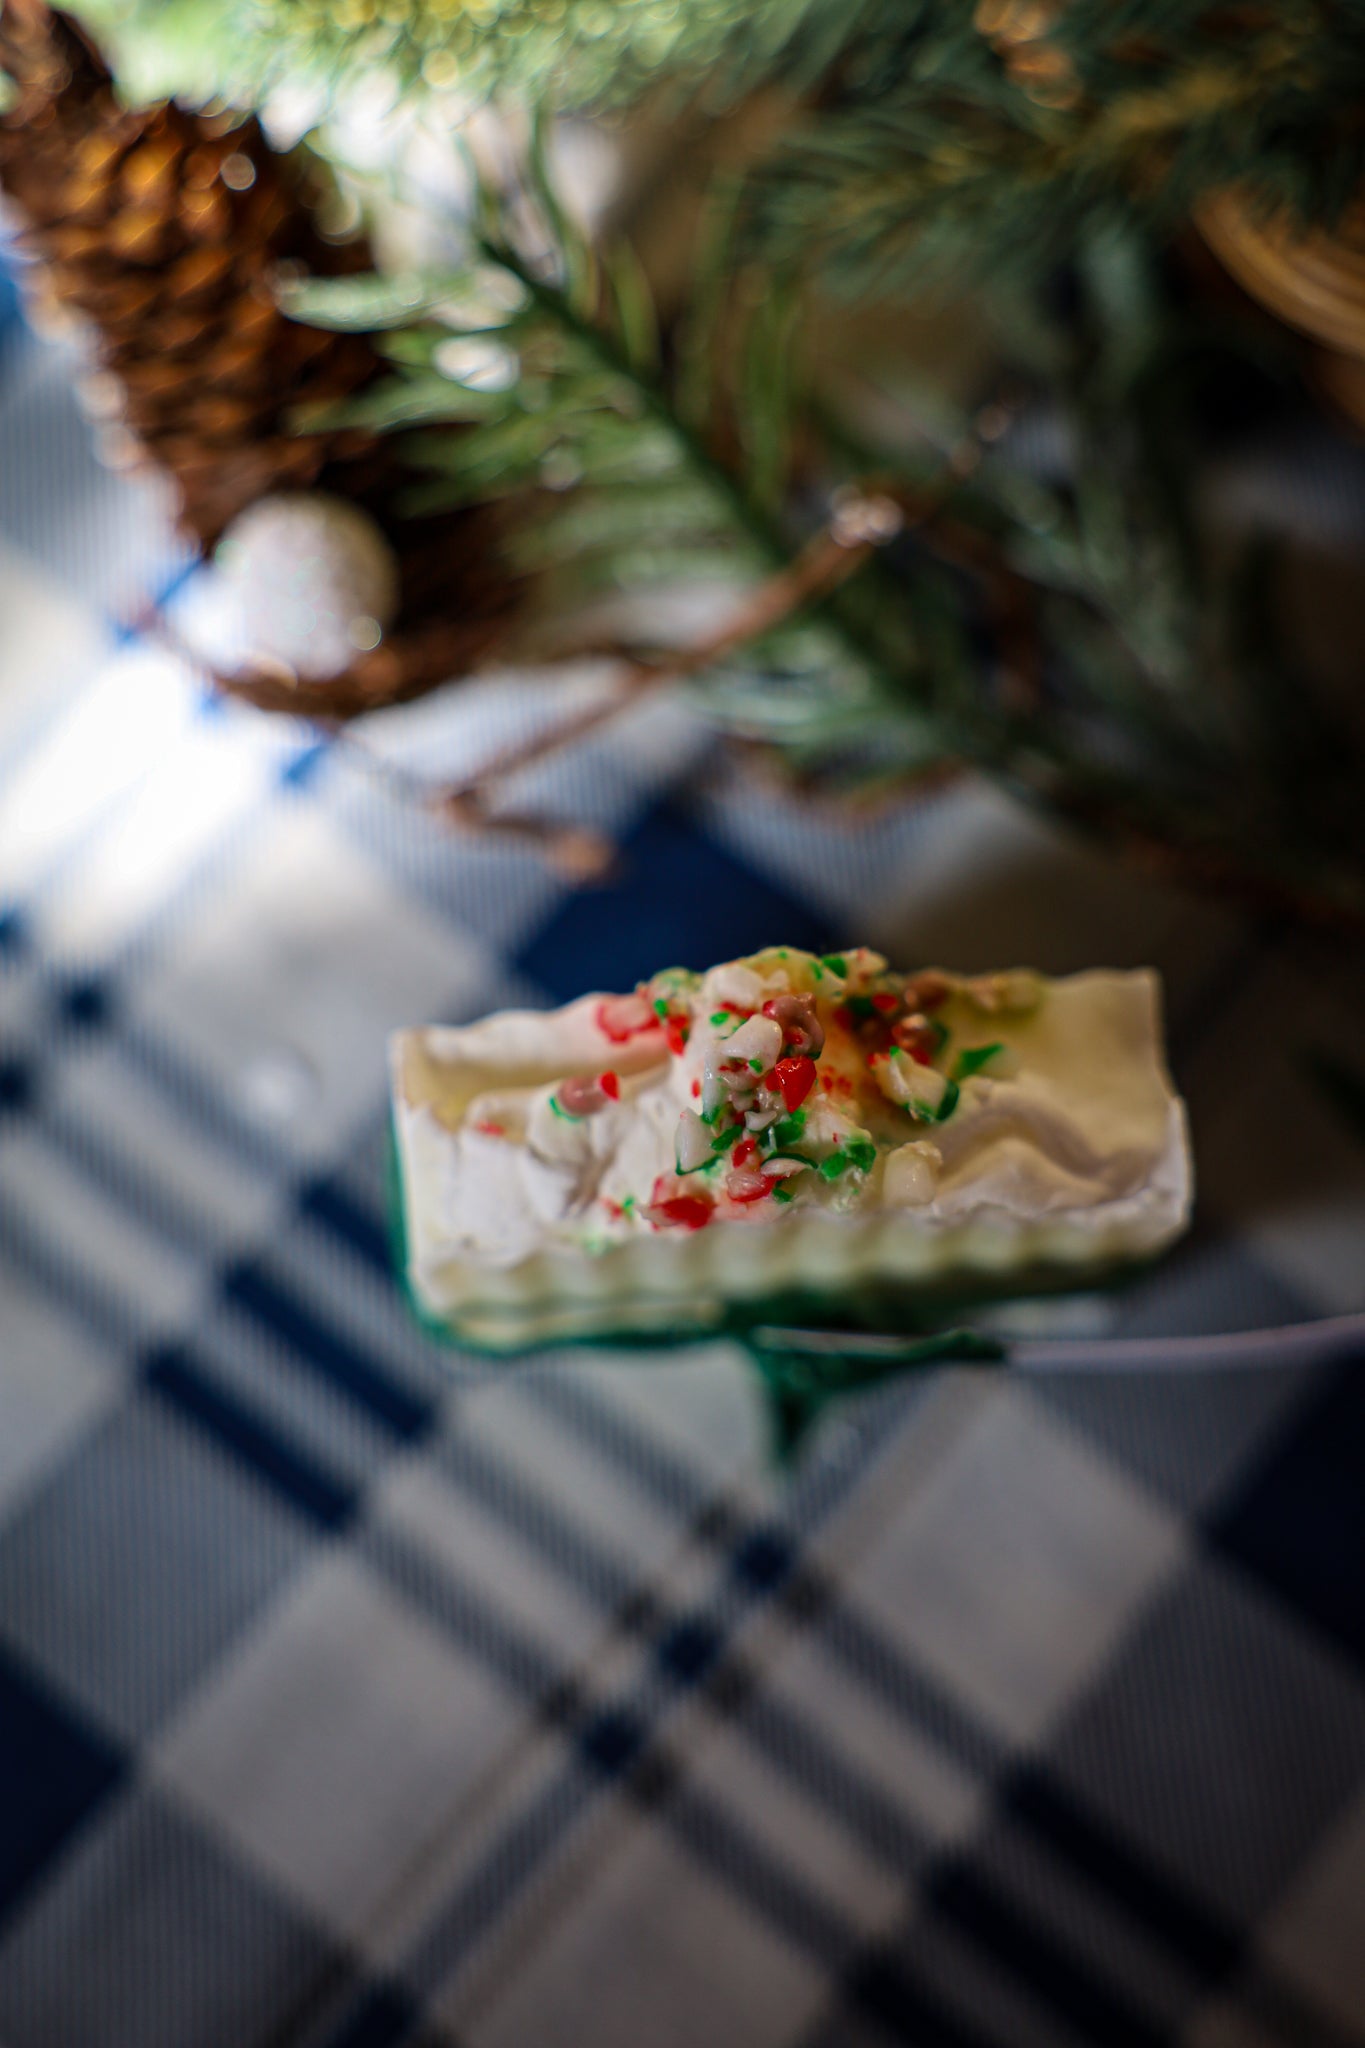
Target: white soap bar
<point>781,1125</point>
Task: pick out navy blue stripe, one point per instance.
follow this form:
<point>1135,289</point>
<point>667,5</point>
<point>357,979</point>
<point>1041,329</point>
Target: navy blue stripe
<point>299,769</point>
<point>326,1203</point>
<point>616,1746</point>
<point>382,2018</point>
<point>496,1881</point>
<point>125,632</point>
<point>599,1569</point>
<point>405,1415</point>
<point>883,1989</point>
<point>16,939</point>
<point>10,319</point>
<point>18,1085</point>
<point>769,1883</point>
<point>321,1496</point>
<point>616,1743</point>
<point>963,1897</point>
<point>765,1559</point>
<point>826,1777</point>
<point>689,1650</point>
<point>615,1754</point>
<point>1164,1908</point>
<point>57,1771</point>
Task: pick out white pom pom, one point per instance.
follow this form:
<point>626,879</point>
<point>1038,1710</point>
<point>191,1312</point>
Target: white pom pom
<point>309,581</point>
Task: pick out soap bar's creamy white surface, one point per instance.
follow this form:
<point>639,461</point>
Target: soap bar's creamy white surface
<point>1069,1145</point>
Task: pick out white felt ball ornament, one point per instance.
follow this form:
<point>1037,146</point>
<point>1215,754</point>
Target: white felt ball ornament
<point>310,582</point>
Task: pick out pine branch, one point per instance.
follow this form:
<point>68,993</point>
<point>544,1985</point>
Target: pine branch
<point>1069,640</point>
<point>939,139</point>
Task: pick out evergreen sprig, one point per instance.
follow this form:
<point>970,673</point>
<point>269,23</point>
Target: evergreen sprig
<point>1077,638</point>
<point>941,139</point>
<point>926,133</point>
<point>1077,631</point>
<point>637,461</point>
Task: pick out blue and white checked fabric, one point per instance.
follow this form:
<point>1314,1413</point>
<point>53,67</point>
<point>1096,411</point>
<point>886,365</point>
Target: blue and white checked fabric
<point>354,1693</point>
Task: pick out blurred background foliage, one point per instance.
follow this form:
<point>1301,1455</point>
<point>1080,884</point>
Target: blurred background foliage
<point>671,282</point>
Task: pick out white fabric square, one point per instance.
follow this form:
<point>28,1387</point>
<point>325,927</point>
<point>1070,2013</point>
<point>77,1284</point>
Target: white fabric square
<point>90,760</point>
<point>652,1950</point>
<point>296,971</point>
<point>1017,1564</point>
<point>49,647</point>
<point>204,778</point>
<point>340,1743</point>
<point>703,1403</point>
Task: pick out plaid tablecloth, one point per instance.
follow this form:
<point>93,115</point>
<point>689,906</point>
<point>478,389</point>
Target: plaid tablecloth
<point>353,1692</point>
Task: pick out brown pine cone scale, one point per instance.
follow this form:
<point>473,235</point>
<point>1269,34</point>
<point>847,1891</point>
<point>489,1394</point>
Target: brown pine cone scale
<point>162,232</point>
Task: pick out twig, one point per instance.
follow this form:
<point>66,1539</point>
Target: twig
<point>858,526</point>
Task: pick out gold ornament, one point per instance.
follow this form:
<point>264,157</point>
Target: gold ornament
<point>1313,280</point>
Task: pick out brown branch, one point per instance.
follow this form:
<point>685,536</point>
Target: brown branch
<point>858,526</point>
<point>860,523</point>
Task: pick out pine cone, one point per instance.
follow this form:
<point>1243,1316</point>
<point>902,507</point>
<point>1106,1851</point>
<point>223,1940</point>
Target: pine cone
<point>165,232</point>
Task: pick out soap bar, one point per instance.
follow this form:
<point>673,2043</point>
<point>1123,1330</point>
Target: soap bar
<point>782,1126</point>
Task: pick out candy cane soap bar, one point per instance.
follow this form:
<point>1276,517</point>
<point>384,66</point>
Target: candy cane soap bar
<point>781,1125</point>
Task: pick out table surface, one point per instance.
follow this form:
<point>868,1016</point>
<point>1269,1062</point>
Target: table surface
<point>354,1692</point>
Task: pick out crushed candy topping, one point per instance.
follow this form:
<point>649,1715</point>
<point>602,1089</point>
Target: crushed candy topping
<point>795,1078</point>
<point>621,1018</point>
<point>685,1211</point>
<point>580,1096</point>
<point>807,1072</point>
<point>802,1030</point>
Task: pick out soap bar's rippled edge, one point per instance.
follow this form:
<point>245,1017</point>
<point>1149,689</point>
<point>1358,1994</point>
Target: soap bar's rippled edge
<point>533,1317</point>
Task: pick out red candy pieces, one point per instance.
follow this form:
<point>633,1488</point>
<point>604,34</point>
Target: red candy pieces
<point>917,1036</point>
<point>690,1211</point>
<point>795,1078</point>
<point>619,1018</point>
